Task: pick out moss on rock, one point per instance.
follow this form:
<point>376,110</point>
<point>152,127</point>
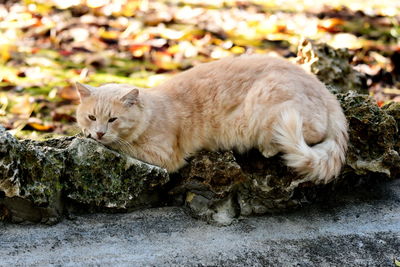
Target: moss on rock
<point>331,66</point>
<point>258,185</point>
<point>40,179</point>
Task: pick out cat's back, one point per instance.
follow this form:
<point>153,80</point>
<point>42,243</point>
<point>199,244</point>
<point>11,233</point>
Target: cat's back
<point>236,72</point>
<point>232,79</point>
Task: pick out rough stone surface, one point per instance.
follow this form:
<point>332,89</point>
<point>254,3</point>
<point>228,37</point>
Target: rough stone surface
<point>223,185</point>
<point>358,228</point>
<point>40,181</point>
<point>393,109</point>
<point>374,135</point>
<point>332,66</point>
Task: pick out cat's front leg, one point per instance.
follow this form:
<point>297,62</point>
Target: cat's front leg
<point>159,156</point>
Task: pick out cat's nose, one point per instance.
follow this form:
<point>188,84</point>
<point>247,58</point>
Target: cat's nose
<point>100,134</point>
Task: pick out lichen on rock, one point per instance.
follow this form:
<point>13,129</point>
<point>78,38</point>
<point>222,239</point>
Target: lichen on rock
<point>41,180</point>
<point>331,66</point>
<point>31,180</point>
<point>102,178</point>
<point>259,185</point>
<point>373,133</point>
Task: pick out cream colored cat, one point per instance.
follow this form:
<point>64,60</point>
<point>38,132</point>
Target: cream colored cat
<point>234,103</point>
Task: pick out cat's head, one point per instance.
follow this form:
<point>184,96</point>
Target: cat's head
<point>110,112</point>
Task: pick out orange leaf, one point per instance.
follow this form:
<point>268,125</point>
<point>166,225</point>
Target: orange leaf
<point>330,25</point>
<point>41,127</point>
<point>138,50</point>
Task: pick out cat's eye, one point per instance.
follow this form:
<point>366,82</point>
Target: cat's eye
<point>112,119</point>
<point>91,117</point>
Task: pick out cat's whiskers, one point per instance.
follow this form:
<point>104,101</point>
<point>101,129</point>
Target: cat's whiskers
<point>123,145</point>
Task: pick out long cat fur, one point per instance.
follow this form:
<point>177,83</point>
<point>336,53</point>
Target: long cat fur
<point>235,103</point>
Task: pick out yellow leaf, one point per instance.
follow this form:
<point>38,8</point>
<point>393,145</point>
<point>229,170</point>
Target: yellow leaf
<point>173,49</point>
<point>165,61</point>
<point>396,263</point>
<point>238,50</point>
<point>112,35</point>
<point>4,52</point>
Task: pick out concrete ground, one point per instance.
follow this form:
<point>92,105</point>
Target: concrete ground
<point>362,229</point>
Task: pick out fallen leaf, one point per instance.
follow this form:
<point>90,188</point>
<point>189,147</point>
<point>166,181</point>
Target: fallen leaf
<point>108,35</point>
<point>62,117</point>
<point>238,50</point>
<point>64,113</point>
<point>171,34</point>
<point>139,50</point>
<point>68,93</point>
<point>41,127</point>
<point>66,53</point>
<point>218,53</point>
<point>345,40</point>
<point>164,60</point>
<point>24,106</point>
<point>330,25</point>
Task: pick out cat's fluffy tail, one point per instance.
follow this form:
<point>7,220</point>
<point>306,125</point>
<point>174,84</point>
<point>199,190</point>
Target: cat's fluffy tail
<point>320,163</point>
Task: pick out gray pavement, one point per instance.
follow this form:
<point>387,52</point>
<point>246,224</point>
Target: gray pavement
<point>361,229</point>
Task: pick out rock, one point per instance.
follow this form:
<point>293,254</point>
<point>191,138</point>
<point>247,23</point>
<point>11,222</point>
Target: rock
<point>331,66</point>
<point>101,178</point>
<point>374,137</point>
<point>208,181</point>
<point>42,180</point>
<point>31,181</point>
<point>393,109</point>
<point>223,185</point>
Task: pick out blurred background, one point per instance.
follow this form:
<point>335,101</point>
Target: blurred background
<point>46,46</point>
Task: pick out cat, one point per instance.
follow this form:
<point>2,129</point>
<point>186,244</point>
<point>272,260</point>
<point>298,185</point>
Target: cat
<point>253,101</point>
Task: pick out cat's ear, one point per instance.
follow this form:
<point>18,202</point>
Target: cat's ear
<point>131,98</point>
<point>84,90</point>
